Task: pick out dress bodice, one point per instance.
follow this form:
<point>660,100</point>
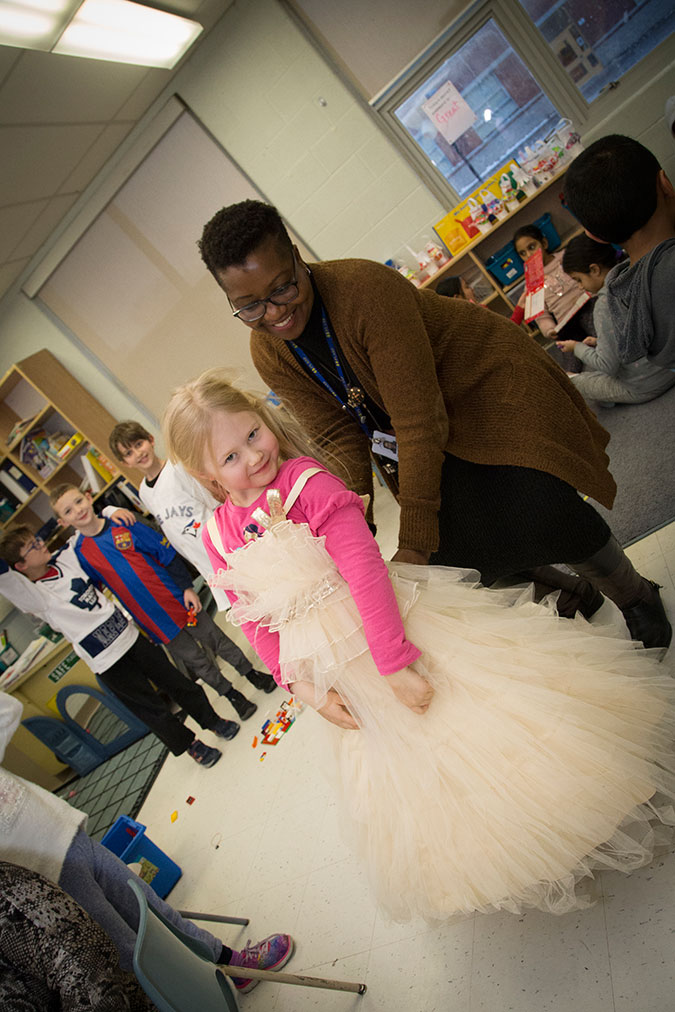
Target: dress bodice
<point>282,574</point>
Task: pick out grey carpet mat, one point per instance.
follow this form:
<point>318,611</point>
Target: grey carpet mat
<point>642,460</point>
<point>118,786</point>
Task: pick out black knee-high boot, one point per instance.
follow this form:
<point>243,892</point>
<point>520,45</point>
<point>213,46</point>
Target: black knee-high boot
<point>576,593</point>
<point>613,573</point>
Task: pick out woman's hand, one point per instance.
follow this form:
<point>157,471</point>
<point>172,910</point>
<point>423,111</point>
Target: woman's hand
<point>412,557</point>
<point>590,341</point>
<point>411,689</point>
<point>566,345</point>
<point>521,300</point>
<point>333,708</point>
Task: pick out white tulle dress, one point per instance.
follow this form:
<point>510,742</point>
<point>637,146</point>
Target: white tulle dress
<point>546,752</point>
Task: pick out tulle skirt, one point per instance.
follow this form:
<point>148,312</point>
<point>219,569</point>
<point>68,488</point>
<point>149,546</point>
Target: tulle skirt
<point>546,753</point>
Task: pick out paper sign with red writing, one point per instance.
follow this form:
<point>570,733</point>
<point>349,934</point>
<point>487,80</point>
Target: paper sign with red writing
<point>534,286</point>
<point>449,113</point>
<point>534,272</point>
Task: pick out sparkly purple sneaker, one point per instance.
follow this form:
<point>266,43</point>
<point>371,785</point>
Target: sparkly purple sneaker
<point>270,954</point>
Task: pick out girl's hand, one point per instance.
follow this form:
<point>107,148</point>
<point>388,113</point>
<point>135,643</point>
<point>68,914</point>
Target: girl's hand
<point>521,300</point>
<point>410,556</point>
<point>590,341</point>
<point>333,708</point>
<point>566,345</point>
<point>411,689</point>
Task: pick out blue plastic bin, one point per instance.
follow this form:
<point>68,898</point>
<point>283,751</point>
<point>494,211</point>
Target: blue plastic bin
<point>505,265</point>
<point>126,838</point>
<point>545,225</point>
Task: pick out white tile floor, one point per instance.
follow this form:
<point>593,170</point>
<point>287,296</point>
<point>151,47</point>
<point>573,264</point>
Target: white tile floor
<point>262,840</point>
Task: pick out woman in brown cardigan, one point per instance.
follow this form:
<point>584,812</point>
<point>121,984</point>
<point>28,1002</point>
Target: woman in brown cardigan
<point>491,437</point>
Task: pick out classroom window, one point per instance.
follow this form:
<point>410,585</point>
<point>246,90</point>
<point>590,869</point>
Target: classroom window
<point>476,109</point>
<point>597,43</point>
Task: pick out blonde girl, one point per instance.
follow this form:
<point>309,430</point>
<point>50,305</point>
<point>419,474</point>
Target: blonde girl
<point>528,750</point>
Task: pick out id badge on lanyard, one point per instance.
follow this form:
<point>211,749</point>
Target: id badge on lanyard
<point>385,445</point>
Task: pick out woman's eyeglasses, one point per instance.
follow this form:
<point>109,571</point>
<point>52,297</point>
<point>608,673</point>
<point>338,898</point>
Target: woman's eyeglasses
<point>280,297</point>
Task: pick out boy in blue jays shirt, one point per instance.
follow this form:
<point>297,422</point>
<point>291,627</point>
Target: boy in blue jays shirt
<point>149,579</point>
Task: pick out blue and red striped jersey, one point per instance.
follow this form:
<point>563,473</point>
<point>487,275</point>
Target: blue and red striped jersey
<point>133,562</point>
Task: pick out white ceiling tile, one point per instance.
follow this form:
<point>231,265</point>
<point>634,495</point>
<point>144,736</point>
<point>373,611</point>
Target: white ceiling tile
<point>40,159</point>
<point>9,273</point>
<point>15,220</point>
<point>44,225</point>
<point>103,147</point>
<point>46,88</point>
<point>144,95</point>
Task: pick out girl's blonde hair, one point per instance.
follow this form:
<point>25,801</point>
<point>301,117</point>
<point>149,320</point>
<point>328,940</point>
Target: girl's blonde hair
<point>188,422</point>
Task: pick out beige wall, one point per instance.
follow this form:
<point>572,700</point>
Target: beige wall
<point>259,86</point>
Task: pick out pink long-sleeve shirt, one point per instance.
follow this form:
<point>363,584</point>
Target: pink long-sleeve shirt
<point>331,511</point>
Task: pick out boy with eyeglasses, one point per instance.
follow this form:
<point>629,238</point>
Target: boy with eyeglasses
<point>58,591</point>
<point>182,509</point>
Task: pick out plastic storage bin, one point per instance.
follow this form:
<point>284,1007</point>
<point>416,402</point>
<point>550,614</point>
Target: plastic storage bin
<point>505,265</point>
<point>126,838</point>
<point>546,226</point>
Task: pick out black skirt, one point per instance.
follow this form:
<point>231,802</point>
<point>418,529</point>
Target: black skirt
<point>501,520</point>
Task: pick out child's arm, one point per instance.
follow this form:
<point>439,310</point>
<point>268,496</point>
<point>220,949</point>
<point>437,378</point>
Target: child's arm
<point>546,324</point>
<point>118,515</point>
<point>337,514</point>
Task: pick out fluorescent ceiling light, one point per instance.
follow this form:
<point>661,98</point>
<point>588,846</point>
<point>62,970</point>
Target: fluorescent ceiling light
<point>127,32</point>
<point>117,30</point>
<point>33,24</point>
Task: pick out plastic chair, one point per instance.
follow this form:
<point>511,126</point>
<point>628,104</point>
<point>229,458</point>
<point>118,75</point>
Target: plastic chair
<point>127,729</point>
<point>68,745</point>
<point>177,972</point>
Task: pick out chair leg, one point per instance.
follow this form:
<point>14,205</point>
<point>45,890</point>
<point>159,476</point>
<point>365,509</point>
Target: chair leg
<point>192,915</point>
<point>291,978</point>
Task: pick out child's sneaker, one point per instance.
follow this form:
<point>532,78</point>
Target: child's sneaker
<point>261,681</point>
<point>270,954</point>
<point>244,707</point>
<point>204,754</point>
<point>225,729</point>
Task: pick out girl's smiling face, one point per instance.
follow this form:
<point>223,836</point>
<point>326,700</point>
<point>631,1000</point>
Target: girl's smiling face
<point>244,455</point>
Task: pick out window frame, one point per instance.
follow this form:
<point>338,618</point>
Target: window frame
<point>528,43</point>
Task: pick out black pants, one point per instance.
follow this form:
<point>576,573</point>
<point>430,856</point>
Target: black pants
<point>501,520</point>
<point>131,679</point>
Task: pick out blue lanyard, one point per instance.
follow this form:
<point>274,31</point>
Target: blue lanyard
<point>350,404</point>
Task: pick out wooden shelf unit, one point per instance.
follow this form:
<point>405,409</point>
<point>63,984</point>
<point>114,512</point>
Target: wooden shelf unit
<point>41,389</point>
<point>472,258</point>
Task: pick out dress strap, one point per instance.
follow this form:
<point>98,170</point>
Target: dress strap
<point>298,486</point>
<point>212,528</point>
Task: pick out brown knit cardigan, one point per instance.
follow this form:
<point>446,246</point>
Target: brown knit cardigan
<point>452,377</point>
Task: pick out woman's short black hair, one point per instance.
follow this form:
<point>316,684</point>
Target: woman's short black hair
<point>236,231</point>
<point>582,251</point>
